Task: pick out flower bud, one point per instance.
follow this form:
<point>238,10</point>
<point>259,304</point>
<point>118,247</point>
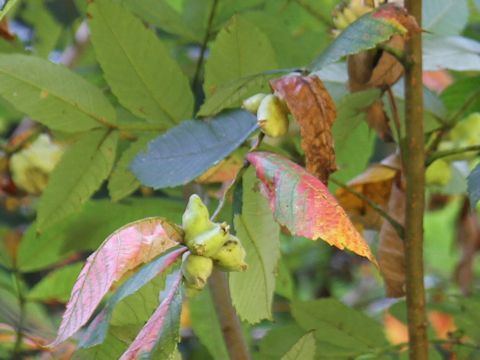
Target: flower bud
<point>231,257</point>
<point>196,218</point>
<point>253,102</point>
<point>209,242</point>
<point>196,270</point>
<point>31,166</point>
<point>272,117</point>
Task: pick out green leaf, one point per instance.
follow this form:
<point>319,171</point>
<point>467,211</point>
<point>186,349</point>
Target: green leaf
<point>186,151</point>
<point>112,348</point>
<point>278,341</point>
<point>57,285</point>
<point>7,6</point>
<point>163,16</point>
<point>252,291</point>
<point>80,172</point>
<point>86,230</point>
<point>209,332</point>
<point>354,141</point>
<point>122,182</point>
<point>137,66</point>
<point>139,303</point>
<point>239,50</point>
<point>462,97</point>
<point>47,30</point>
<point>444,17</point>
<point>159,337</point>
<point>304,349</point>
<point>445,52</point>
<point>339,328</point>
<point>232,94</point>
<point>284,285</point>
<point>474,186</point>
<point>52,94</point>
<point>365,33</point>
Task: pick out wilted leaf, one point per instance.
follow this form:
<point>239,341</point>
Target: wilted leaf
<point>474,186</point>
<point>137,65</point>
<point>225,170</point>
<point>80,172</point>
<point>304,349</point>
<point>160,334</point>
<point>314,109</point>
<point>468,239</point>
<point>367,32</point>
<point>97,330</point>
<point>395,330</point>
<point>391,250</point>
<point>375,183</point>
<point>186,151</point>
<point>52,94</point>
<point>303,204</point>
<point>122,251</point>
<point>259,234</point>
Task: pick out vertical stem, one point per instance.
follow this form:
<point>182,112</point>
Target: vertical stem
<point>415,192</point>
<point>17,348</point>
<point>229,322</point>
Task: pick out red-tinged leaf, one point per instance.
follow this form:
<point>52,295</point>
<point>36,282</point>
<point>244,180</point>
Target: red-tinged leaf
<point>303,204</point>
<point>98,327</point>
<point>314,109</point>
<point>125,249</point>
<point>160,333</point>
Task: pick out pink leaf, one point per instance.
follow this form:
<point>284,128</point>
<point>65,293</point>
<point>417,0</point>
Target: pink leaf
<point>303,204</point>
<point>125,249</point>
<point>150,335</point>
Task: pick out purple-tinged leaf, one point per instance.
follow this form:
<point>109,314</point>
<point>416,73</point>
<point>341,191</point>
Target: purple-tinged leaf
<point>97,330</point>
<point>134,244</point>
<point>160,334</point>
<point>302,203</point>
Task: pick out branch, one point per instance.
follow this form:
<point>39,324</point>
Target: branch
<point>203,49</point>
<point>395,224</point>
<point>442,154</point>
<point>415,192</point>
<point>229,322</point>
<point>17,348</point>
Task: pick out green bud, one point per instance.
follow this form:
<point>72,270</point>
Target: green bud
<point>195,219</point>
<point>253,102</point>
<point>272,116</point>
<point>231,257</point>
<point>209,242</point>
<point>196,270</point>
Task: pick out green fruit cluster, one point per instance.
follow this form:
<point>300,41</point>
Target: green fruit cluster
<point>347,14</point>
<point>210,244</point>
<point>271,111</point>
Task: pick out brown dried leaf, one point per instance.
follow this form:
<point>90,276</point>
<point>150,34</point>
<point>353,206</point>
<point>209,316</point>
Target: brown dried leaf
<point>314,109</point>
<point>468,239</point>
<point>391,251</point>
<point>225,170</point>
<point>376,69</point>
<point>375,183</point>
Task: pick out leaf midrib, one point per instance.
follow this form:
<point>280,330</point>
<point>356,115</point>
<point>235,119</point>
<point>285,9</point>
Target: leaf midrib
<point>150,92</point>
<point>101,120</point>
